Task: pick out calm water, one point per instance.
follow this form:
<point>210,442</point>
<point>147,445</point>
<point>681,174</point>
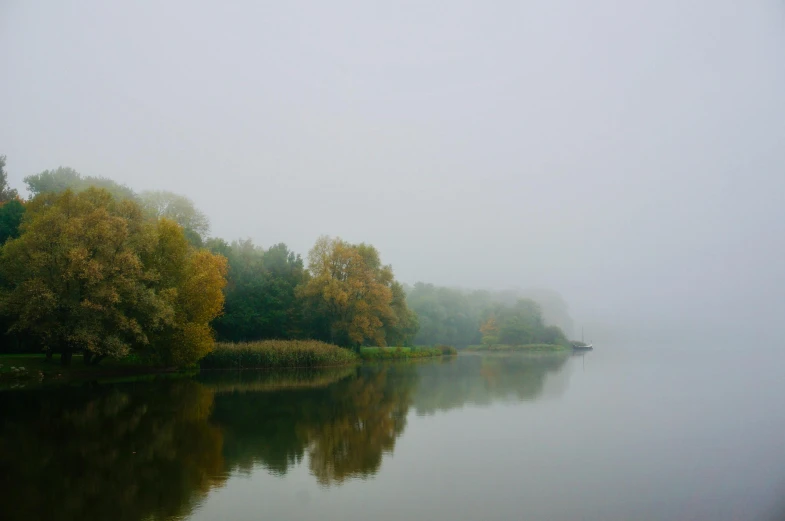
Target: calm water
<point>624,433</point>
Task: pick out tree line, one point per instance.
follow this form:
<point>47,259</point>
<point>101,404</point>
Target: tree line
<point>89,266</point>
<point>461,318</point>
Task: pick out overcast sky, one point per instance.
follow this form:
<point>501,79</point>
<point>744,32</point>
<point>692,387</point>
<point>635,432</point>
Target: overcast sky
<point>630,155</point>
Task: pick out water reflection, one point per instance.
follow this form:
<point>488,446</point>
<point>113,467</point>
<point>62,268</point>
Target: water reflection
<point>345,427</point>
<point>483,379</point>
<point>151,450</point>
<point>122,453</point>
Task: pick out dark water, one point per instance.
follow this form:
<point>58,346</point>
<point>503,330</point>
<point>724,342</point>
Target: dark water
<point>620,434</point>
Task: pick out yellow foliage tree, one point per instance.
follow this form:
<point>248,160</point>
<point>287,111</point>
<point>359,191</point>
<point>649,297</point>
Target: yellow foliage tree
<point>350,291</point>
<point>191,283</point>
<point>92,275</point>
<point>490,331</point>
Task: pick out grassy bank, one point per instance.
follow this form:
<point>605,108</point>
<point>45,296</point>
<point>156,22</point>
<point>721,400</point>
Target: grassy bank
<point>276,353</point>
<point>526,348</point>
<point>403,353</point>
<point>35,368</point>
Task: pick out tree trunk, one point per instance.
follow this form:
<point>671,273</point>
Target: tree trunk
<point>49,355</point>
<point>65,358</point>
<point>87,357</point>
<point>96,359</point>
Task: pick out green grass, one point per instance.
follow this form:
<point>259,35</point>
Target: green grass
<point>404,353</point>
<point>527,348</point>
<point>276,353</point>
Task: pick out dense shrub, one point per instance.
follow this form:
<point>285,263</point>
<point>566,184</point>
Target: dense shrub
<point>446,350</point>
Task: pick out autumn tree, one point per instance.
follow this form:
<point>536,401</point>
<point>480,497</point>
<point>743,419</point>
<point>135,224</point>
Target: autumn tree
<point>190,284</point>
<point>349,296</point>
<point>91,274</point>
<point>490,331</point>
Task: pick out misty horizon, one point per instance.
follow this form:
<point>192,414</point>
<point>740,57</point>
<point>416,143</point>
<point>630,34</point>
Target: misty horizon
<point>636,168</point>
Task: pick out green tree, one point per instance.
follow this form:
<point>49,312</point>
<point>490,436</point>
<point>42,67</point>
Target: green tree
<point>160,203</point>
<point>523,323</point>
<point>6,192</point>
<point>401,328</point>
<point>64,178</point>
<point>261,299</point>
<point>446,315</point>
<point>11,214</point>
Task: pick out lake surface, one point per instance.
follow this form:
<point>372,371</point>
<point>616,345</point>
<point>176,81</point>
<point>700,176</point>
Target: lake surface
<point>622,433</point>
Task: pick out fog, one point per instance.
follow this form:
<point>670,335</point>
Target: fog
<point>628,155</point>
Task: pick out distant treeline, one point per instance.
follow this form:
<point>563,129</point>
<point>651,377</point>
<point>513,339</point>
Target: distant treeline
<point>89,266</point>
<point>461,318</point>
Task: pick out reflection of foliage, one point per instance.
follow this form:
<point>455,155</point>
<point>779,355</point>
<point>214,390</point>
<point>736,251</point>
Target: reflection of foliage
<point>484,379</point>
<point>367,416</point>
<point>151,450</point>
<point>345,427</point>
<point>125,453</point>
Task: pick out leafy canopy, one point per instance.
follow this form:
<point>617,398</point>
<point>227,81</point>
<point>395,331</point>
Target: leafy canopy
<point>64,178</point>
<point>11,214</point>
<point>350,295</point>
<point>91,274</point>
<point>160,203</point>
<point>261,298</point>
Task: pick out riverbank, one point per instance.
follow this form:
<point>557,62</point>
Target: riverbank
<point>527,348</point>
<point>403,353</point>
<point>35,368</point>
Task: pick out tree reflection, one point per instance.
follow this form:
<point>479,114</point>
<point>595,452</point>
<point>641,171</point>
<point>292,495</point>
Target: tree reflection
<point>124,453</point>
<point>483,379</point>
<point>151,450</point>
<point>368,414</point>
<point>345,428</point>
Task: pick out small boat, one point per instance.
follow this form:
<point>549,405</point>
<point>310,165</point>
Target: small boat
<point>582,346</point>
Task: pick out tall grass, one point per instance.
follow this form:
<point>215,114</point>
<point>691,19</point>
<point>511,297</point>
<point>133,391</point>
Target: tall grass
<point>276,353</point>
